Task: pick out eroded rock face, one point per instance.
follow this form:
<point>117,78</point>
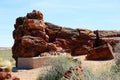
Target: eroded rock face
<point>34,37</point>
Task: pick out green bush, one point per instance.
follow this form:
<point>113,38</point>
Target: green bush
<point>6,63</point>
<point>59,65</point>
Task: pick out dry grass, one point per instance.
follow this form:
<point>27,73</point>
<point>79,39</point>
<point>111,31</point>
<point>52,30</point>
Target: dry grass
<point>6,54</point>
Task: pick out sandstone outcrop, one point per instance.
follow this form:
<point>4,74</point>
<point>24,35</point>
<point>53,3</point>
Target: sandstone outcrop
<point>34,37</point>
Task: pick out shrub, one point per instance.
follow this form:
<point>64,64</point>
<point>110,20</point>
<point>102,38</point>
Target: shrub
<point>88,73</point>
<point>59,65</point>
<point>117,55</point>
<point>110,74</point>
<point>7,64</point>
<point>115,70</point>
<point>74,73</point>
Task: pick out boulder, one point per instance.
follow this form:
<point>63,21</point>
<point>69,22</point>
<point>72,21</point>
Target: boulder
<point>28,46</point>
<point>39,33</point>
<point>34,24</point>
<point>19,21</point>
<point>35,15</point>
<point>28,41</point>
<point>19,32</point>
<point>7,76</point>
<point>32,46</point>
<point>81,47</point>
<point>3,75</point>
<point>52,31</point>
<point>74,73</point>
<point>51,47</point>
<point>80,50</point>
<point>103,52</point>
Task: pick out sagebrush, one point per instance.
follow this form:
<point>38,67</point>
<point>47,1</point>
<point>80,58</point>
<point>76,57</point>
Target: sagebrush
<point>58,67</point>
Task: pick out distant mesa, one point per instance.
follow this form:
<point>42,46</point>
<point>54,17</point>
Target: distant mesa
<point>34,37</point>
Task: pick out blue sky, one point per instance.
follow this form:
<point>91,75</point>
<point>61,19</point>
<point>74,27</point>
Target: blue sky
<point>90,14</point>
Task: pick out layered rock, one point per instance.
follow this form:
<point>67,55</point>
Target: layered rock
<point>34,37</point>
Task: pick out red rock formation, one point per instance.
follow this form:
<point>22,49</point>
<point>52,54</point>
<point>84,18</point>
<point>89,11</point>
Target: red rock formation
<point>32,37</point>
<point>103,52</point>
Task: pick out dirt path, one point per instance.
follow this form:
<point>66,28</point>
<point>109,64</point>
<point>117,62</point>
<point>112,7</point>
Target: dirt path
<point>32,74</point>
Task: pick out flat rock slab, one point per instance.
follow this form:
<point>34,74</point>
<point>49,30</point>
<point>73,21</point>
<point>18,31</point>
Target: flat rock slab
<point>33,62</point>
